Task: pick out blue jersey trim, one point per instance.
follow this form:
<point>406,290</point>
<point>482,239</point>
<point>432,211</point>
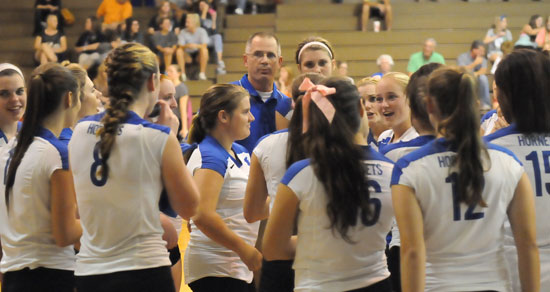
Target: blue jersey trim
<point>488,115</point>
<point>272,134</point>
<point>66,135</point>
<point>188,147</point>
<point>3,136</point>
<point>132,119</point>
<point>436,146</point>
<point>93,118</point>
<point>510,130</point>
<point>371,154</point>
<point>505,150</point>
<point>59,145</point>
<point>214,156</point>
<point>293,170</point>
<point>371,140</point>
<point>416,142</point>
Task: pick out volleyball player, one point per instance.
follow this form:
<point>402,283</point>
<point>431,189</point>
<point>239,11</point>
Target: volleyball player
<point>120,163</point>
<point>221,254</point>
<point>522,81</point>
<point>342,195</point>
<point>13,99</point>
<point>390,94</point>
<point>452,196</point>
<point>316,55</point>
<point>37,206</point>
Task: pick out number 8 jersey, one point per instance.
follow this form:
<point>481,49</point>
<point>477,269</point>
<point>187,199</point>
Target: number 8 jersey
<point>119,213</point>
<point>464,244</point>
<point>534,152</point>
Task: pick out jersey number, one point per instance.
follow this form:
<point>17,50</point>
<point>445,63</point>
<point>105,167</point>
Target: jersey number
<point>94,169</point>
<point>470,214</point>
<point>534,158</point>
<point>375,203</point>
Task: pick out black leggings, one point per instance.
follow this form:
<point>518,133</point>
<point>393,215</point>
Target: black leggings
<point>394,267</point>
<point>146,280</point>
<point>39,279</point>
<point>277,276</point>
<point>225,284</point>
<point>382,286</point>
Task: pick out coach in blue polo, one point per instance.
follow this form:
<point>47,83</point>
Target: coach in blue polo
<point>270,107</point>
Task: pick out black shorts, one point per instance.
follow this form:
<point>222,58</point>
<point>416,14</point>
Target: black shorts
<point>394,267</point>
<point>146,280</point>
<point>225,284</point>
<point>375,12</point>
<point>277,276</point>
<point>382,286</point>
<point>175,255</point>
<point>39,279</point>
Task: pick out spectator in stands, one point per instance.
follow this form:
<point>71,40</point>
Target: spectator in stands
<point>475,62</point>
<point>42,8</point>
<point>193,42</point>
<point>132,33</point>
<point>208,21</point>
<point>376,8</point>
<point>88,43</point>
<point>315,54</point>
<point>51,44</point>
<point>166,42</point>
<point>114,12</point>
<point>110,40</point>
<point>506,47</point>
<point>529,32</point>
<point>184,112</point>
<point>342,67</point>
<point>165,11</point>
<point>284,80</point>
<point>543,37</point>
<point>385,63</point>
<point>428,55</point>
<point>496,36</point>
<point>262,59</point>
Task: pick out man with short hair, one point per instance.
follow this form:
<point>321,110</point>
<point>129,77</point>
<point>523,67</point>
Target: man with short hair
<point>427,55</point>
<point>262,58</point>
<point>475,62</point>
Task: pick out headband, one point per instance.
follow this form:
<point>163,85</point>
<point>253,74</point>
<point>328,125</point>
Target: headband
<point>6,66</point>
<point>313,44</point>
<point>317,93</point>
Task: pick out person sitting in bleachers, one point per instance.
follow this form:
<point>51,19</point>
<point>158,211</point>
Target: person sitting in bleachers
<point>114,12</point>
<point>193,44</point>
<point>427,55</point>
<point>132,33</point>
<point>42,8</point>
<point>496,36</point>
<point>88,43</point>
<point>543,37</point>
<point>165,11</point>
<point>529,32</point>
<point>208,17</point>
<point>475,62</point>
<point>374,8</point>
<point>165,41</point>
<point>385,63</point>
<point>51,44</point>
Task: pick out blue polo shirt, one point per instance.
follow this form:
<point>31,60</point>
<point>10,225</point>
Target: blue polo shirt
<point>263,112</point>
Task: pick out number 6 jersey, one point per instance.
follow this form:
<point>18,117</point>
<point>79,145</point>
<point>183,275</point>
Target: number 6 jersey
<point>119,213</point>
<point>464,244</point>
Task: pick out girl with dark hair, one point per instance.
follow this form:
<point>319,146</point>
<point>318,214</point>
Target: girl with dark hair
<point>453,195</point>
<point>315,54</point>
<point>13,99</point>
<point>267,167</point>
<point>50,44</point>
<point>132,33</point>
<point>221,254</point>
<point>342,195</point>
<point>38,208</point>
<point>121,163</point>
<point>529,32</point>
<point>522,87</point>
<point>88,43</point>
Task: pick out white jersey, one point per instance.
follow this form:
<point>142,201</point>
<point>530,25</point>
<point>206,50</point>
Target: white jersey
<point>204,257</point>
<point>271,154</point>
<point>488,122</point>
<point>119,214</point>
<point>464,245</point>
<point>386,137</point>
<point>534,152</point>
<point>26,231</point>
<point>4,139</point>
<point>324,261</point>
<point>394,152</point>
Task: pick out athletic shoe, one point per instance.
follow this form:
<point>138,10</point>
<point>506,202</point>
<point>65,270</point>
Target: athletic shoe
<point>202,76</point>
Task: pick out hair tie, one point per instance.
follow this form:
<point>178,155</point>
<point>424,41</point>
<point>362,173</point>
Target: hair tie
<point>312,44</point>
<point>317,93</point>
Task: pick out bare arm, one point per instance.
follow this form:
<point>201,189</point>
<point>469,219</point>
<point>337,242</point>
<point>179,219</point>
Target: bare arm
<point>521,213</point>
<point>66,228</point>
<point>411,227</point>
<point>180,187</point>
<point>256,203</point>
<point>212,225</point>
<point>183,114</point>
<point>37,43</point>
<point>170,234</point>
<point>89,47</point>
<point>63,45</point>
<point>278,242</point>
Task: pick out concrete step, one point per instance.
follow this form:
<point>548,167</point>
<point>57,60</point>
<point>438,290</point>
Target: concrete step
<point>250,21</point>
<point>242,34</point>
<point>304,10</point>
